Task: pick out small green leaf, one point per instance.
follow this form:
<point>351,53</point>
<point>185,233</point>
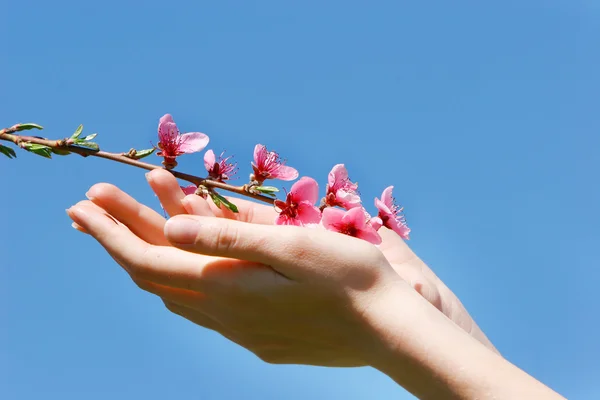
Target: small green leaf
<point>89,137</point>
<point>215,199</point>
<point>144,153</point>
<point>38,149</point>
<point>60,152</point>
<point>77,132</point>
<point>89,145</point>
<point>218,200</point>
<point>28,126</point>
<point>8,152</point>
<point>268,190</point>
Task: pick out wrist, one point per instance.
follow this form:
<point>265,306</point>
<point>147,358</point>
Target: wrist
<point>430,356</point>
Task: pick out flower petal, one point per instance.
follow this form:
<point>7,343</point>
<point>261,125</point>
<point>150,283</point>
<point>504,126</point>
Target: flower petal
<point>191,189</point>
<point>286,173</point>
<point>306,189</point>
<point>337,175</point>
<point>260,155</point>
<point>209,160</point>
<point>370,235</point>
<point>386,196</point>
<point>331,218</point>
<point>283,219</point>
<point>347,200</point>
<point>376,223</point>
<point>193,142</point>
<point>400,228</point>
<point>383,208</point>
<point>166,118</point>
<point>167,132</point>
<point>356,217</point>
<point>308,214</point>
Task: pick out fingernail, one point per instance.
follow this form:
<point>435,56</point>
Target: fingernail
<point>182,230</point>
<point>148,177</point>
<point>87,195</point>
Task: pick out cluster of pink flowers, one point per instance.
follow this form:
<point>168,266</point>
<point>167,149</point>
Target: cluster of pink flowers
<point>341,210</point>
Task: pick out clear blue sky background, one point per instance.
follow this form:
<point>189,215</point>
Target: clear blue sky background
<point>484,116</point>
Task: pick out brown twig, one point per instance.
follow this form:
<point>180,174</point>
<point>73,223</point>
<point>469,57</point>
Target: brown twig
<point>7,134</point>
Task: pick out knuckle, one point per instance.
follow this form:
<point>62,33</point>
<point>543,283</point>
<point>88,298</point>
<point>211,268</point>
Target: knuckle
<point>268,356</point>
<point>226,238</point>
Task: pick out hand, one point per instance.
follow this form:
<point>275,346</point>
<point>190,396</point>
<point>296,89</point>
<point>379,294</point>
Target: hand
<point>144,221</point>
<point>303,296</point>
<point>288,294</point>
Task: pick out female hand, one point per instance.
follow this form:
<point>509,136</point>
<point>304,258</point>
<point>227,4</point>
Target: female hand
<point>149,224</point>
<point>301,296</point>
<point>288,294</point>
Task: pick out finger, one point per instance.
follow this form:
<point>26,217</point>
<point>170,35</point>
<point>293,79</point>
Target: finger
<point>188,298</point>
<point>79,228</point>
<point>169,193</point>
<point>169,266</point>
<point>192,315</point>
<point>196,205</point>
<point>143,221</point>
<point>248,211</point>
<point>277,246</point>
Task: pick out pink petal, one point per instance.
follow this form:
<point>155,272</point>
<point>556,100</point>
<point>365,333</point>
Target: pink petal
<point>306,189</point>
<point>167,131</point>
<point>401,229</point>
<point>209,160</point>
<point>331,218</point>
<point>191,189</point>
<point>383,209</point>
<point>376,223</point>
<point>166,118</point>
<point>386,196</point>
<point>308,214</point>
<point>370,235</point>
<point>356,217</point>
<point>347,200</point>
<point>285,220</point>
<point>260,154</point>
<point>338,173</point>
<point>193,142</point>
<point>286,173</point>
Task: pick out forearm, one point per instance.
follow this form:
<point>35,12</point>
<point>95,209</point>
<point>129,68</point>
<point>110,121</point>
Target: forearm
<point>433,358</point>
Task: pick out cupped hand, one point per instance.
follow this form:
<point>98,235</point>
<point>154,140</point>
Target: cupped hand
<point>149,225</point>
<point>288,294</point>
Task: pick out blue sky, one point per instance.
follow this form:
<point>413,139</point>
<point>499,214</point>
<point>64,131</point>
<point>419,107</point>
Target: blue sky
<point>484,117</point>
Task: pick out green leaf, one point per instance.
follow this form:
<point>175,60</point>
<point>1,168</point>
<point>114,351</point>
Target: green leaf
<point>268,190</point>
<point>144,153</point>
<point>77,132</point>
<point>89,145</point>
<point>89,137</point>
<point>215,199</point>
<point>60,152</point>
<point>28,126</point>
<point>8,152</point>
<point>38,149</point>
<point>218,200</point>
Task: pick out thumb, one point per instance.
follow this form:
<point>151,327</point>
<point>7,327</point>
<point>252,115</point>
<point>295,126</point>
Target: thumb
<point>278,246</point>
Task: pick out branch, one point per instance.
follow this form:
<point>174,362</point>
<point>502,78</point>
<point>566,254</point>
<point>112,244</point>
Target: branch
<point>67,145</point>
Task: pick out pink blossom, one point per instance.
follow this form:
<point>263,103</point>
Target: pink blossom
<point>353,222</point>
<point>390,214</point>
<point>268,165</point>
<point>218,170</point>
<point>298,208</point>
<point>340,190</point>
<point>191,189</point>
<point>172,144</point>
